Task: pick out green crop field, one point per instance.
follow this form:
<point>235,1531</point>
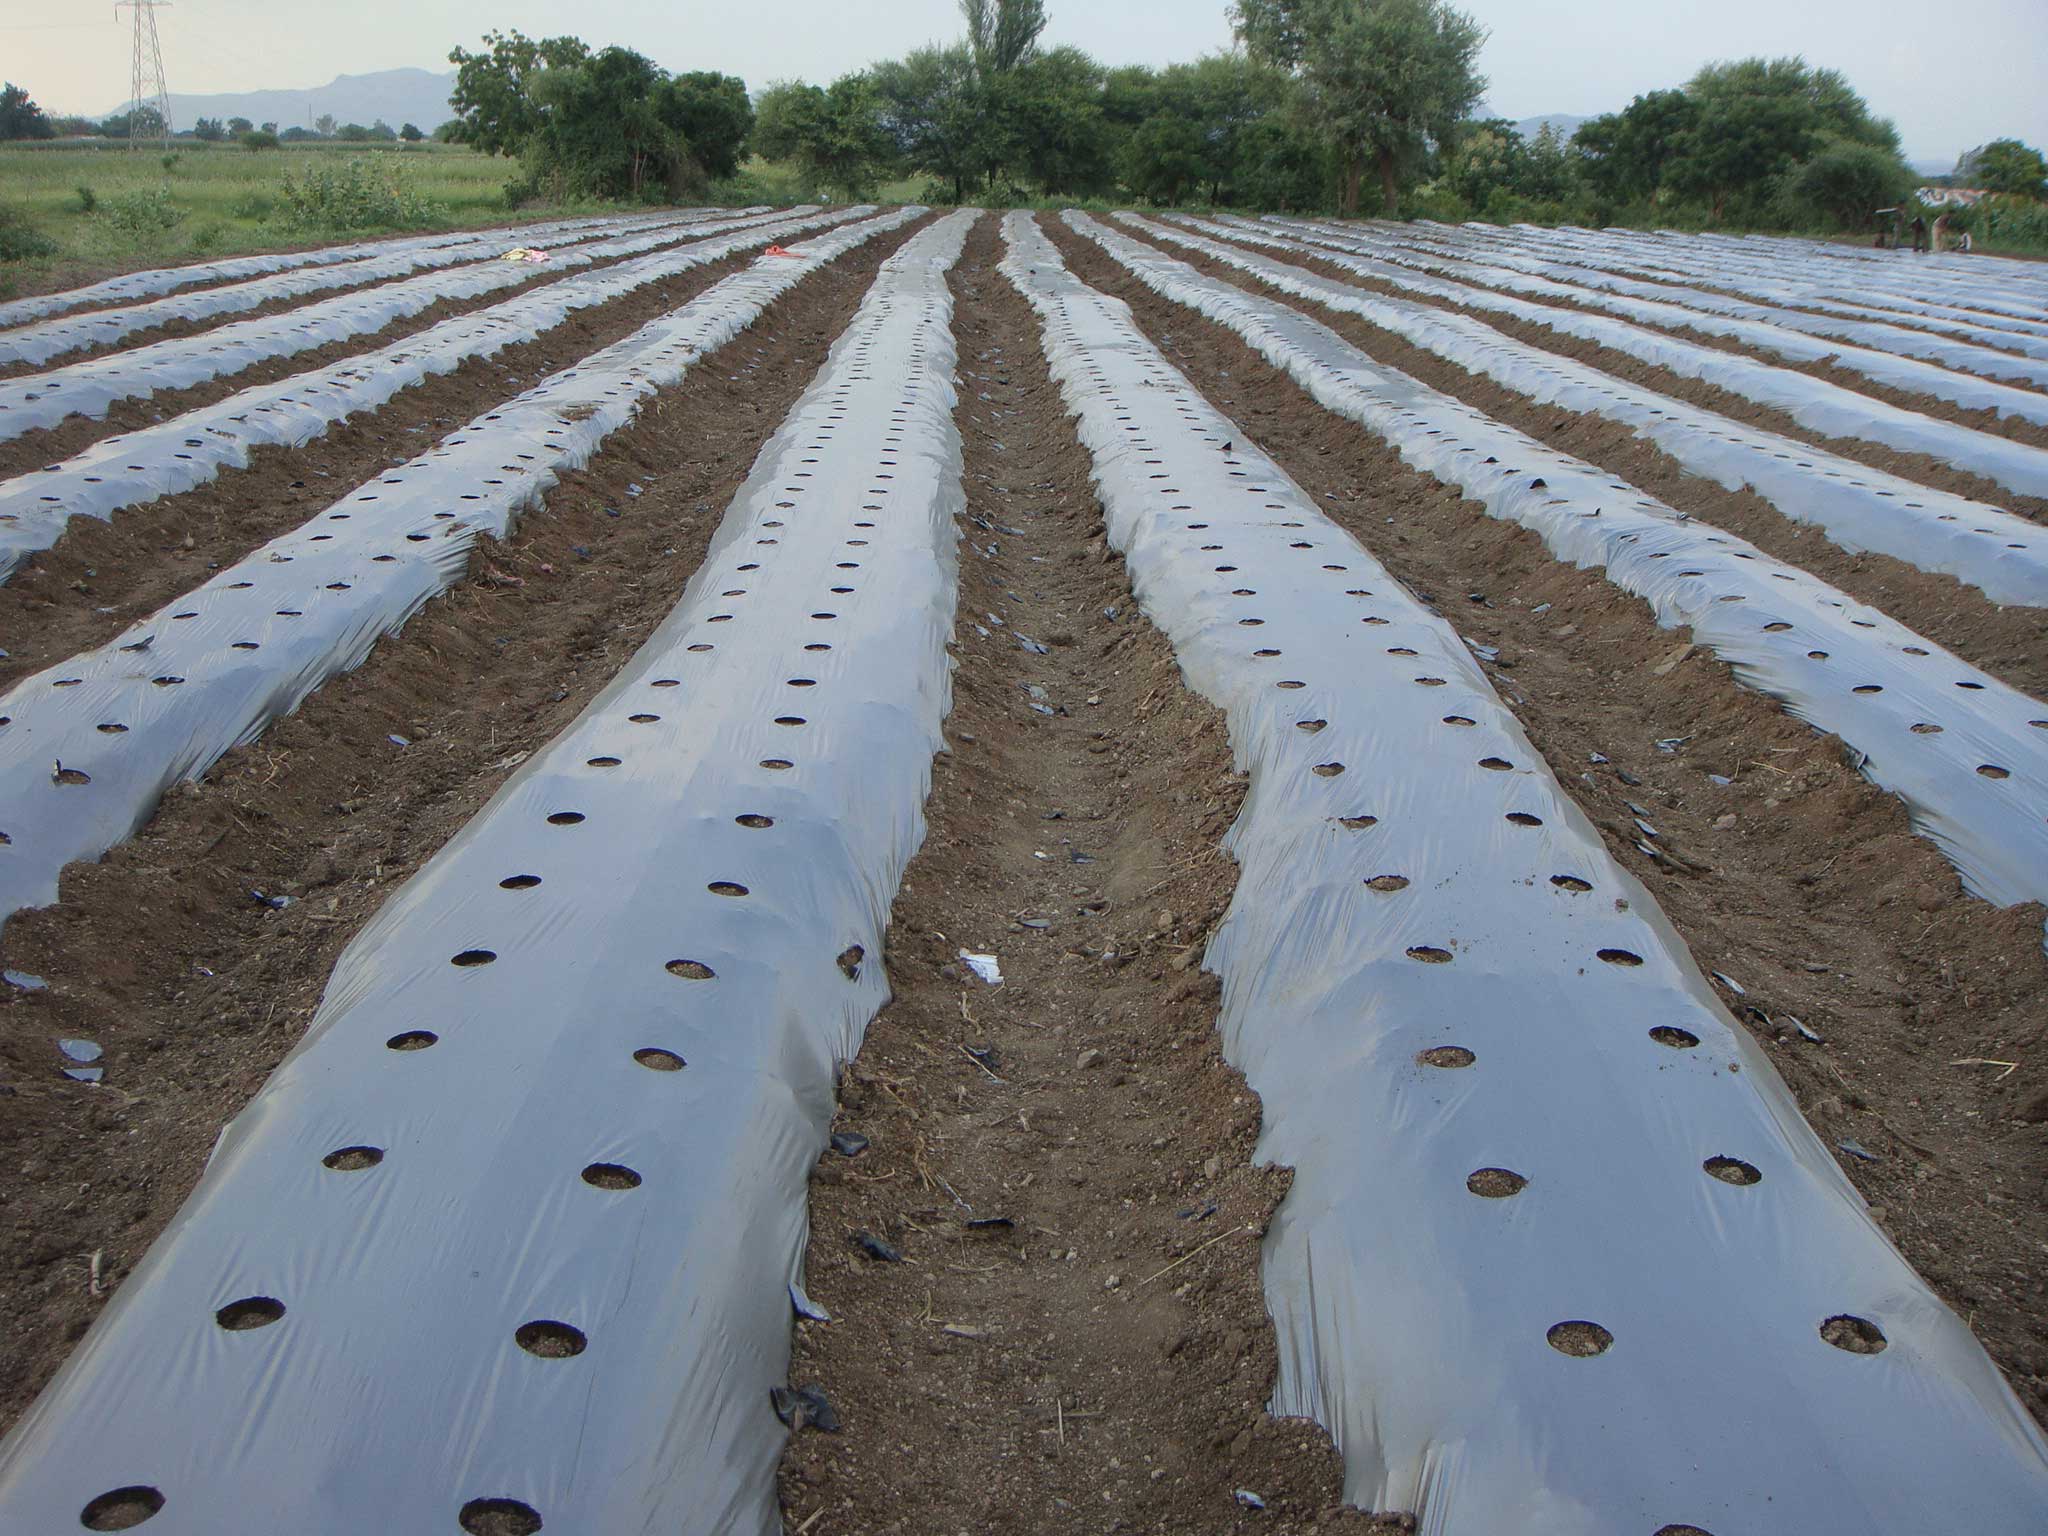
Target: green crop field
<point>206,200</point>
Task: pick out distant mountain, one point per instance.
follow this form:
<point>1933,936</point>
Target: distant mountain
<point>399,96</point>
<point>1563,124</point>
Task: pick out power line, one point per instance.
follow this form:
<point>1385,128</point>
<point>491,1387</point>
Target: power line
<point>146,70</point>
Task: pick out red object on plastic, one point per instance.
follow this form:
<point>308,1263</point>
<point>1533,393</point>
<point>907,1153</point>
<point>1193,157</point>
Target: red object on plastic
<point>776,250</point>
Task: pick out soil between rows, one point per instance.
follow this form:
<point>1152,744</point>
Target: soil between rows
<point>161,954</point>
<point>1984,420</point>
<point>1800,880</point>
<point>1924,468</point>
<point>100,576</point>
<point>2005,641</point>
<point>52,445</point>
<point>1099,1357</point>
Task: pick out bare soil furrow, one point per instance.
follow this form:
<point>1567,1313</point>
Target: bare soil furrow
<point>2007,642</point>
<point>164,954</point>
<point>1913,466</point>
<point>101,576</point>
<point>1795,879</point>
<point>1062,1162</point>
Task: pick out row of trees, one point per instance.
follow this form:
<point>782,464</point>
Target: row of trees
<point>21,118</point>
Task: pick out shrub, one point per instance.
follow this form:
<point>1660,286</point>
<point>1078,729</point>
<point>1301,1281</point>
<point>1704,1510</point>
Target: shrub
<point>142,213</point>
<point>253,206</point>
<point>19,239</point>
<point>259,138</point>
<point>88,200</point>
<point>365,192</point>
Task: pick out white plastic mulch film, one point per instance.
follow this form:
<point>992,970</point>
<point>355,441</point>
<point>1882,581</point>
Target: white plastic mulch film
<point>190,449</point>
<point>132,286</point>
<point>35,401</point>
<point>1727,291</point>
<point>1966,753</point>
<point>1880,354</point>
<point>1560,1257</point>
<point>102,327</point>
<point>2003,555</point>
<point>514,1232</point>
<point>1815,403</point>
<point>210,670</point>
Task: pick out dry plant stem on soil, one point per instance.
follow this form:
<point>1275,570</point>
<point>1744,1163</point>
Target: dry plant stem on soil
<point>1799,880</point>
<point>195,990</point>
<point>1101,1359</point>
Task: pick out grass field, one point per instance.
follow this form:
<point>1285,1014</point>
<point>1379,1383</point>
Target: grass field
<point>218,200</point>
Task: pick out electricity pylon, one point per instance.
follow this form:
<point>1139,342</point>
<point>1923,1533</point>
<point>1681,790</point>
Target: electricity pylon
<point>147,72</point>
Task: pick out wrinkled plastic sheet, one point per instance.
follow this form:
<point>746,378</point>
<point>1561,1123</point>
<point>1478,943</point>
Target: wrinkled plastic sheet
<point>2003,555</point>
<point>1961,749</point>
<point>1566,255</point>
<point>132,286</point>
<point>88,387</point>
<point>1754,324</point>
<point>1414,881</point>
<point>210,670</point>
<point>1890,295</point>
<point>1814,403</point>
<point>191,449</point>
<point>1993,289</point>
<point>511,1100</point>
<point>54,338</point>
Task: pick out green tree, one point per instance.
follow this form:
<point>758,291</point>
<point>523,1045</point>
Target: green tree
<point>1280,167</point>
<point>208,130</point>
<point>492,97</point>
<point>1625,154</point>
<point>934,111</point>
<point>2008,166</point>
<point>411,133</point>
<point>20,117</point>
<point>601,131</point>
<point>835,136</point>
<point>1049,112</point>
<point>1844,182</point>
<point>237,126</point>
<point>714,116</point>
<point>258,138</point>
<point>1165,158</point>
<point>1756,119</point>
<point>1383,79</point>
<point>1002,35</point>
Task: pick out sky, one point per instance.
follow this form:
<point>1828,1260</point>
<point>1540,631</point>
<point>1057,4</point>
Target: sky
<point>1950,73</point>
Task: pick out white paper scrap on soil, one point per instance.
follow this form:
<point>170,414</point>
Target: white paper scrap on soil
<point>210,670</point>
<point>525,1227</point>
<point>37,401</point>
<point>1434,973</point>
<point>1966,753</point>
<point>2001,554</point>
<point>190,449</point>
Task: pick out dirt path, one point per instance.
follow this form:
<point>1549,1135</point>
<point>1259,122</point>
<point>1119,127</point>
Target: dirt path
<point>161,954</point>
<point>1095,1354</point>
<point>1799,879</point>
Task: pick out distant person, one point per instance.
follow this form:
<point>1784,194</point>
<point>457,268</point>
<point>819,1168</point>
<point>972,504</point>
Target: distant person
<point>1919,234</point>
<point>1941,240</point>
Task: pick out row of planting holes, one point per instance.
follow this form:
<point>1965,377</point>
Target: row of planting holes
<point>549,1338</point>
<point>1579,1338</point>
